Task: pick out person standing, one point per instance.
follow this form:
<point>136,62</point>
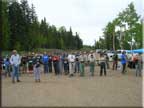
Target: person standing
<point>45,60</point>
<point>138,65</point>
<point>54,64</point>
<point>92,64</point>
<point>123,62</point>
<point>30,65</point>
<point>66,65</point>
<point>61,63</point>
<point>15,62</point>
<point>71,59</point>
<point>107,61</point>
<point>50,63</point>
<point>24,63</point>
<point>56,59</point>
<point>85,58</point>
<point>77,63</point>
<point>115,61</point>
<point>36,68</point>
<point>133,61</point>
<point>7,67</point>
<point>102,62</point>
<point>82,64</point>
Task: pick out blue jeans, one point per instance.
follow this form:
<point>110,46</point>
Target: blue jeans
<point>7,70</point>
<point>77,66</point>
<point>46,68</point>
<point>66,68</point>
<point>15,72</point>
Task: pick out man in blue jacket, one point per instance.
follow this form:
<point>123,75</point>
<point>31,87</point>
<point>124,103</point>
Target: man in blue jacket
<point>123,62</point>
<point>45,60</point>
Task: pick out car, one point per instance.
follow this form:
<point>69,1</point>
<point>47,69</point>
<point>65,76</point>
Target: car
<point>98,50</point>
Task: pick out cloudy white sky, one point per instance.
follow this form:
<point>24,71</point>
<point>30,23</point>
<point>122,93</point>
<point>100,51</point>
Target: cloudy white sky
<point>87,17</point>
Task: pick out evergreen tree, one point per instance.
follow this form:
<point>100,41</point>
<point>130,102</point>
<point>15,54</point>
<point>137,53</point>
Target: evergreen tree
<point>5,26</point>
<point>16,28</point>
<point>21,29</point>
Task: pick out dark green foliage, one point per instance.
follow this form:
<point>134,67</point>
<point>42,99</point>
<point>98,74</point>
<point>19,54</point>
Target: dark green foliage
<point>5,26</point>
<point>21,30</point>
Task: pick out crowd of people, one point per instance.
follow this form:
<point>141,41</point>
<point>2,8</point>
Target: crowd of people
<point>65,63</point>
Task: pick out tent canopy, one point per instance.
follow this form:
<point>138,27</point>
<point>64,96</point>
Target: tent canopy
<point>135,51</point>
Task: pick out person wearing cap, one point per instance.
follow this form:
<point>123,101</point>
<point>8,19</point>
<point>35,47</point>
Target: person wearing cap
<point>15,62</point>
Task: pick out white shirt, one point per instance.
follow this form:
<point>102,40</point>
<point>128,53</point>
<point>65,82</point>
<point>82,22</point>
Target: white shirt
<point>81,58</point>
<point>92,59</point>
<point>15,60</point>
<point>71,58</point>
<point>102,59</point>
<point>89,56</point>
<point>85,58</point>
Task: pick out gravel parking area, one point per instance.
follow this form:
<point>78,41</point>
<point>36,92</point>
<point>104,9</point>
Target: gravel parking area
<point>114,89</point>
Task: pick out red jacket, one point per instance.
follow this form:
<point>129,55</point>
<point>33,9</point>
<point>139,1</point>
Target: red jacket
<point>55,58</point>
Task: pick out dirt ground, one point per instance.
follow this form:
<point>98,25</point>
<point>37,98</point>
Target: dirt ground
<point>114,89</point>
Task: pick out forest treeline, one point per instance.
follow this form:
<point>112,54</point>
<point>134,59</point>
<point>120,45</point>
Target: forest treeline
<point>21,30</point>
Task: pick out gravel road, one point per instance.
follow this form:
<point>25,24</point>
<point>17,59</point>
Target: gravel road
<point>114,89</point>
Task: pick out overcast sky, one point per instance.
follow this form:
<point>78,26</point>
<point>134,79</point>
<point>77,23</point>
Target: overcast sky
<point>87,17</point>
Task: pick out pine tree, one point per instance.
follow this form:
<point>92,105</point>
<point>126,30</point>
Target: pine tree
<point>5,26</point>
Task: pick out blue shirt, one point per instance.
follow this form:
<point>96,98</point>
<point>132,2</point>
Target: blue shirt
<point>7,63</point>
<point>123,59</point>
<point>45,59</point>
